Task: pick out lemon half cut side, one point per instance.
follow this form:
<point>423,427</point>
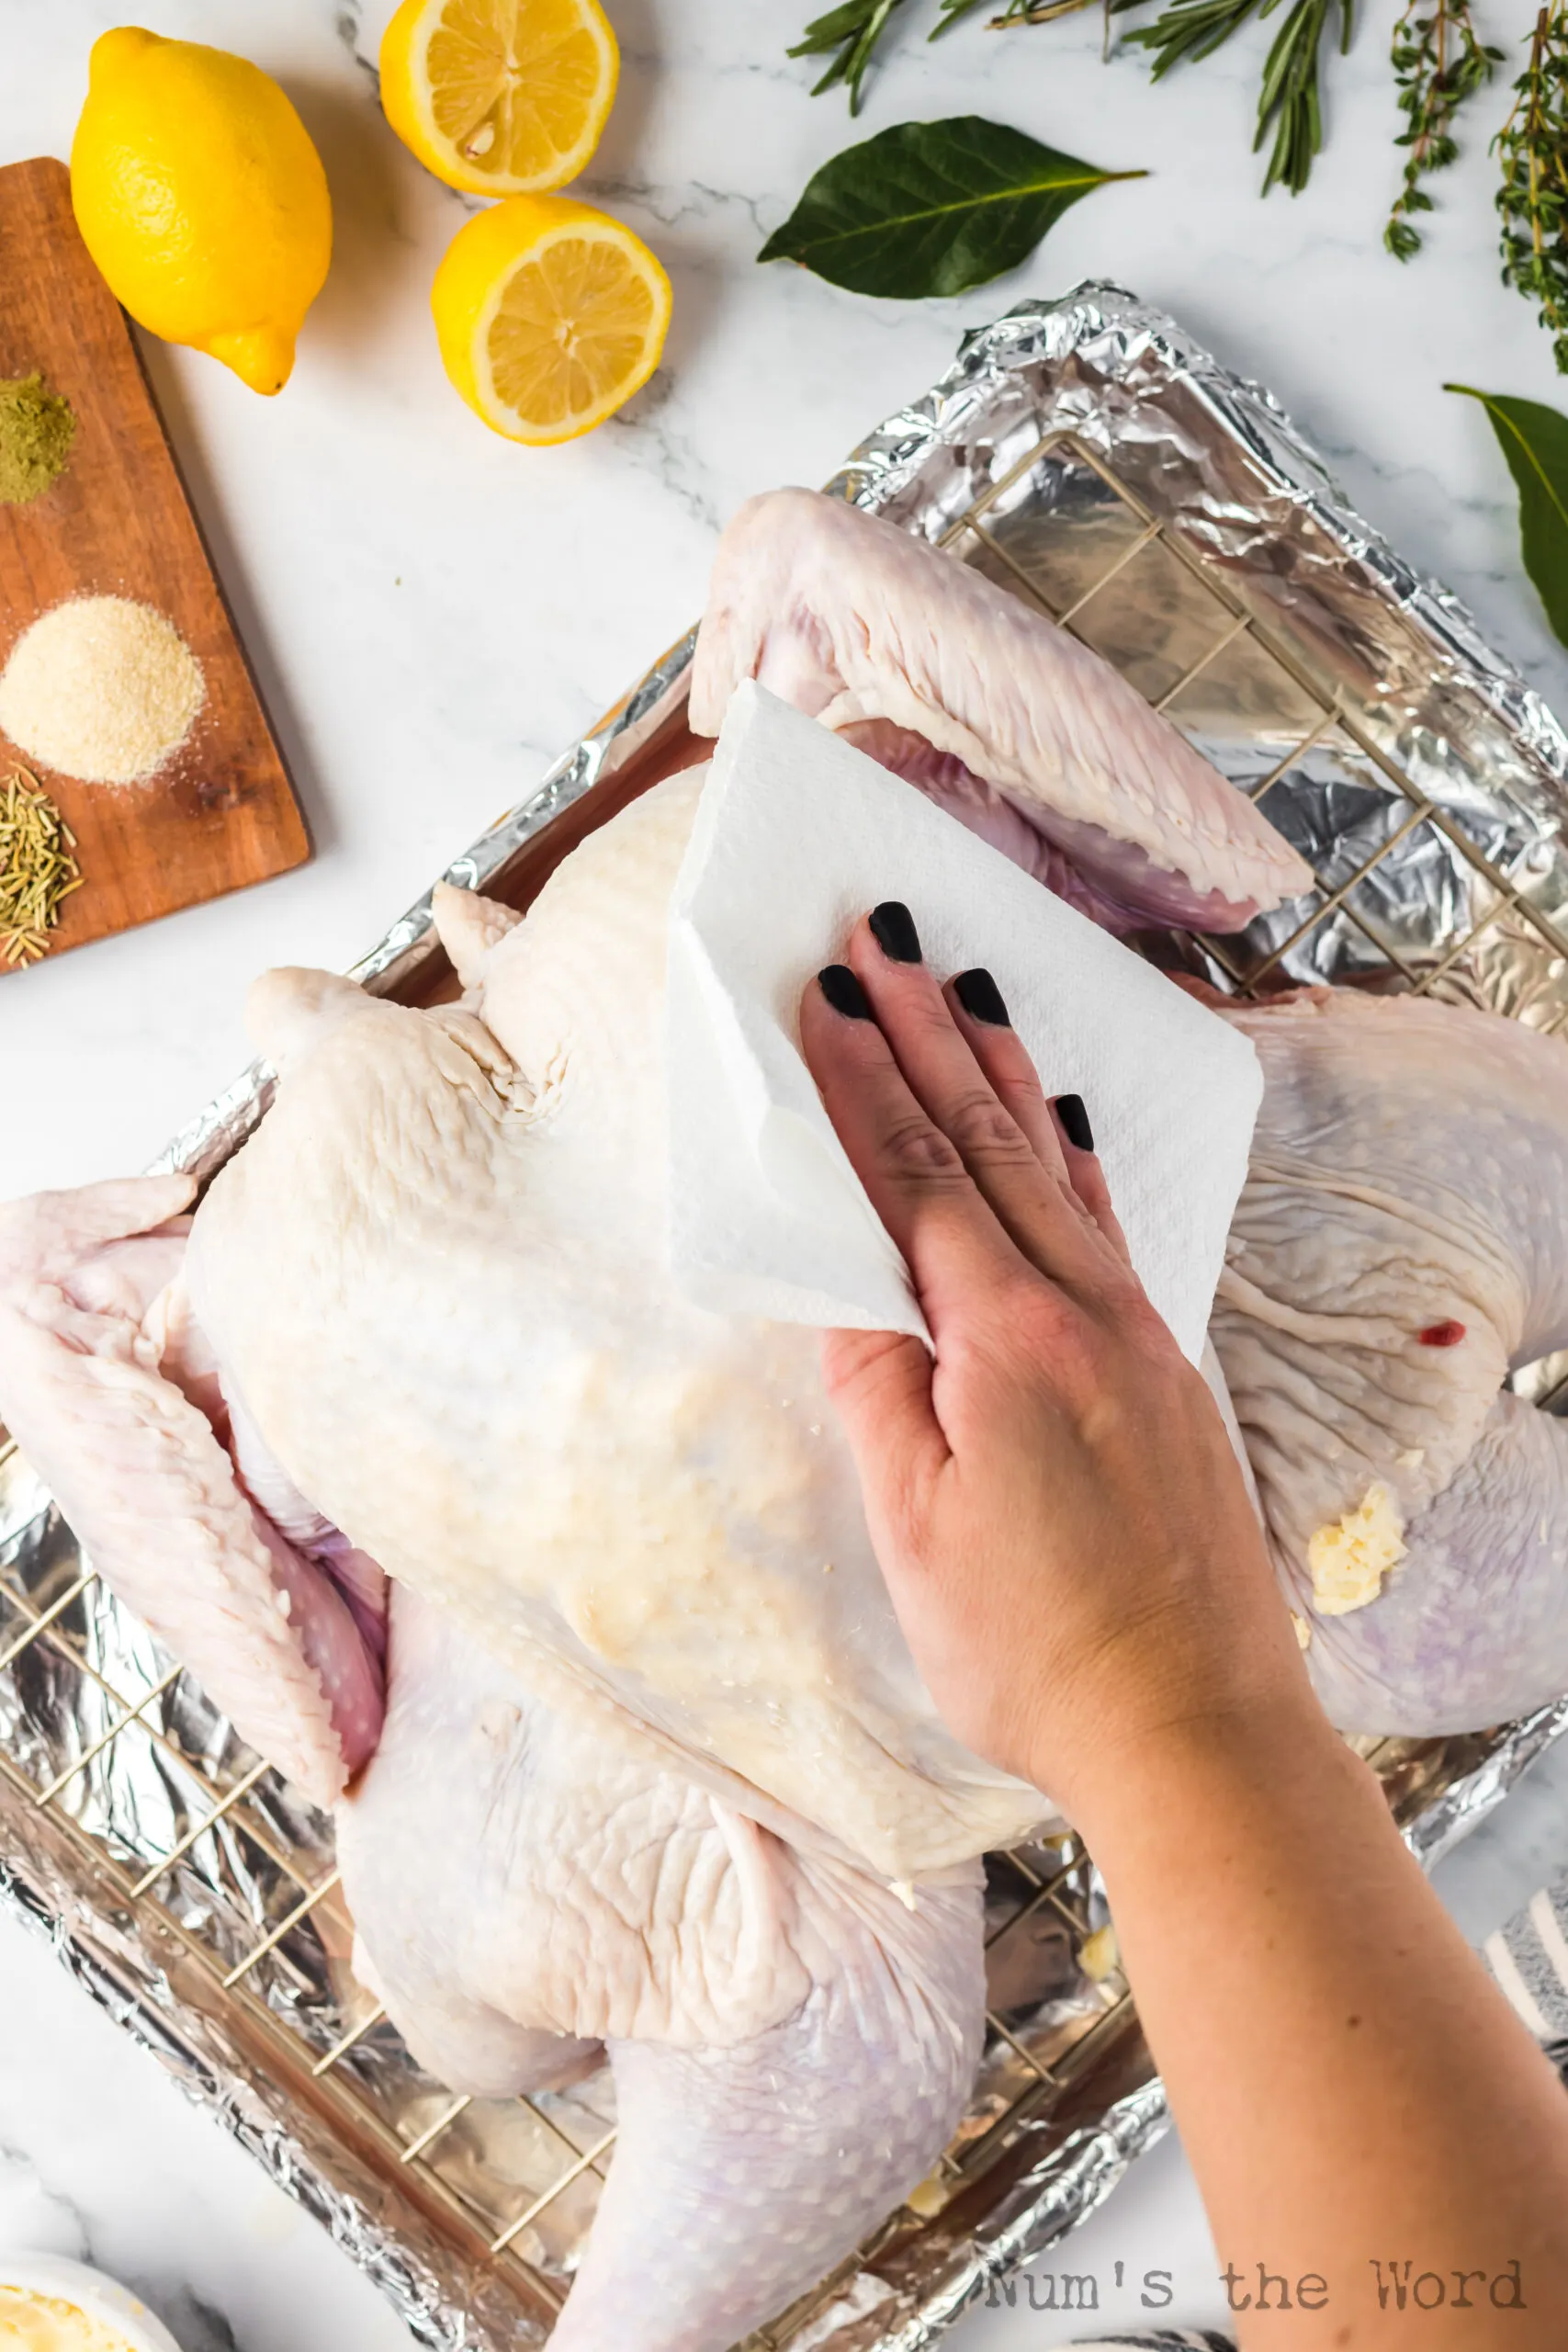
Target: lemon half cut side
<point>501,97</point>
<point>549,315</point>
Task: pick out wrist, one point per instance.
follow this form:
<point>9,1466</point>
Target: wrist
<point>1203,1766</point>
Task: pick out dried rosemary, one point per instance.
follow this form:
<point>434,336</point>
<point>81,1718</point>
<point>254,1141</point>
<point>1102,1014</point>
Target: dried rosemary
<point>1533,199</point>
<point>1438,63</point>
<point>37,867</point>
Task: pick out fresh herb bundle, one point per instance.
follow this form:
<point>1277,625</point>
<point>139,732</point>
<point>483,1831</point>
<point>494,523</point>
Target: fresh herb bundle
<point>1439,63</point>
<point>1289,99</point>
<point>1533,199</point>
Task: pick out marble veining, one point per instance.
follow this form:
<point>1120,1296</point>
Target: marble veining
<point>432,613</point>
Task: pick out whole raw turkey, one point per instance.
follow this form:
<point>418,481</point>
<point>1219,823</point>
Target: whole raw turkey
<point>557,1588</point>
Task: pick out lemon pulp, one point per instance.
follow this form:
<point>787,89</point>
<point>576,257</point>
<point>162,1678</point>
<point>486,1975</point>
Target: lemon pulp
<point>549,315</point>
<point>499,96</point>
<point>570,325</point>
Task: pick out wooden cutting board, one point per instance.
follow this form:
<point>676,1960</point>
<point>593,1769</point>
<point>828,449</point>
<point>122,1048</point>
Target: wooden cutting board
<point>116,522</point>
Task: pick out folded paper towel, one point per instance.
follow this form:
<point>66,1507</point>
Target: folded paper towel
<point>796,835</point>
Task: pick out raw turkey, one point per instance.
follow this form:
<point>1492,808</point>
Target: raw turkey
<point>1010,723</point>
<point>557,1588</point>
<point>1400,1248</point>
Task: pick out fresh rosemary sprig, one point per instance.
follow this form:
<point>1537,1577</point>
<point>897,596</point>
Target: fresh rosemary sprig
<point>853,31</point>
<point>1013,12</point>
<point>1533,199</point>
<point>1291,90</point>
<point>1438,61</point>
<point>1289,99</point>
<point>1189,29</point>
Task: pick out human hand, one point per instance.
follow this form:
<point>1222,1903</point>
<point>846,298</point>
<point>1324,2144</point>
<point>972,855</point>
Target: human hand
<point>1062,1526</point>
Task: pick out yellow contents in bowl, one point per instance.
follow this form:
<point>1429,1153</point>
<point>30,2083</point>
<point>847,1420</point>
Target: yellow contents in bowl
<point>30,2323</point>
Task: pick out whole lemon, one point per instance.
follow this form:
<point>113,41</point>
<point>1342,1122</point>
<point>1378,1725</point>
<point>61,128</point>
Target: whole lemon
<point>202,199</point>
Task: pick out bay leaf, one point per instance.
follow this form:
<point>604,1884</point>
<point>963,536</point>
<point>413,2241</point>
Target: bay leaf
<point>931,208</point>
<point>1534,440</point>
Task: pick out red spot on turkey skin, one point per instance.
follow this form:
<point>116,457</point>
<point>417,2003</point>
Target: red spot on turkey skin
<point>1447,1334</point>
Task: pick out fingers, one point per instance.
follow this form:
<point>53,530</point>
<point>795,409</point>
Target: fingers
<point>913,1174</point>
<point>1059,1130</point>
<point>980,1017</point>
<point>1084,1172</point>
<point>1019,1169</point>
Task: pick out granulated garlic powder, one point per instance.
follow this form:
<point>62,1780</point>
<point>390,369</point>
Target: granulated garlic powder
<point>102,689</point>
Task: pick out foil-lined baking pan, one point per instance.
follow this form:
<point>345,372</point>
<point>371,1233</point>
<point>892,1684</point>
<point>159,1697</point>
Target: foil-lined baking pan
<point>1086,455</point>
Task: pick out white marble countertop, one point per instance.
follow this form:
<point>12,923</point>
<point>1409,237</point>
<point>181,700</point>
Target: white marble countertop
<point>433,612</point>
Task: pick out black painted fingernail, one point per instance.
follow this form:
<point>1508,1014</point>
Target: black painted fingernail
<point>981,998</point>
<point>893,928</point>
<point>1075,1121</point>
<point>844,992</point>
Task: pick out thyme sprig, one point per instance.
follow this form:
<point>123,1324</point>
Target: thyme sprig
<point>1533,199</point>
<point>1438,61</point>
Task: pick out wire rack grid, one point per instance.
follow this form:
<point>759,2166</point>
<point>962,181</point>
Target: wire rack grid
<point>239,1880</point>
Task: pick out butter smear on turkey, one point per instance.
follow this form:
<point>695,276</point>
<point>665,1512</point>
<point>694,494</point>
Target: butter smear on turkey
<point>1350,1556</point>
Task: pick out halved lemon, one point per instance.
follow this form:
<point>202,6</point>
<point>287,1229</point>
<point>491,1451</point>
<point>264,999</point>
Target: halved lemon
<point>505,98</point>
<point>549,315</point>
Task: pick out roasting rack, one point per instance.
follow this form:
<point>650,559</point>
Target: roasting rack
<point>196,1885</point>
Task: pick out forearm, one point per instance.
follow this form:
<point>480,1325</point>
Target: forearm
<point>1351,2088</point>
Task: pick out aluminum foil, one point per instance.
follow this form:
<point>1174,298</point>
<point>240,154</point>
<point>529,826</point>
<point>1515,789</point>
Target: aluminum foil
<point>1088,456</point>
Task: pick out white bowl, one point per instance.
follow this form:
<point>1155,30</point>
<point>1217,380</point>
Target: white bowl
<point>105,2300</point>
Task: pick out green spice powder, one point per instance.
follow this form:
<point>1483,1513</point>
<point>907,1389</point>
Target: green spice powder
<point>37,428</point>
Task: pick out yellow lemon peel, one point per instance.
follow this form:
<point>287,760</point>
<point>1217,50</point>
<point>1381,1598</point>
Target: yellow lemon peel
<point>202,199</point>
<point>549,316</point>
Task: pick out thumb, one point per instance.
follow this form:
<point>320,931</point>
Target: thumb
<point>880,1386</point>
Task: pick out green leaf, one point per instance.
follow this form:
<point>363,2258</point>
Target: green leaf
<point>931,208</point>
<point>1535,443</point>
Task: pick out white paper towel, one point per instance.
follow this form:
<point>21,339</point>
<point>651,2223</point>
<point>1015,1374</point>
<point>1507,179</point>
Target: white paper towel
<point>797,834</point>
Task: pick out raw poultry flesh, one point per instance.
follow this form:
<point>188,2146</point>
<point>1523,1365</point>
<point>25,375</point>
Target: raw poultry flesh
<point>1010,723</point>
<point>1401,1245</point>
<point>556,1587</point>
